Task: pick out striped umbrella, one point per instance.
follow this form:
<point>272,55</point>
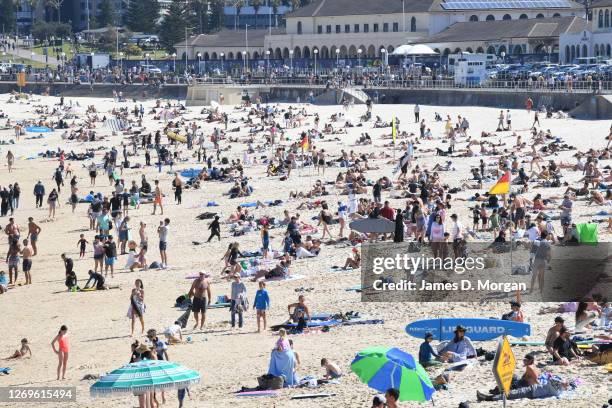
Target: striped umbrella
<point>144,376</point>
<point>382,368</point>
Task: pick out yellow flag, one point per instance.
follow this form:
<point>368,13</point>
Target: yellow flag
<point>393,130</point>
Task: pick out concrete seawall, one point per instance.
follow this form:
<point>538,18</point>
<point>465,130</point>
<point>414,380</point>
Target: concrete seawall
<point>99,90</point>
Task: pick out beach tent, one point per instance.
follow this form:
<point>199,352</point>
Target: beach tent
<point>587,233</point>
<point>420,49</point>
<point>144,376</point>
<point>382,368</point>
<point>402,49</point>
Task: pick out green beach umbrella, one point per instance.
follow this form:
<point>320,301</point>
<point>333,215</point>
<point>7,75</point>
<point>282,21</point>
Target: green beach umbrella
<point>382,368</point>
<point>145,376</point>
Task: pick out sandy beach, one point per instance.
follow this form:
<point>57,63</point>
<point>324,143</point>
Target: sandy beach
<point>226,358</point>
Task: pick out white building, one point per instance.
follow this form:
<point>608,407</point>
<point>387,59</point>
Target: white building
<point>340,28</point>
<point>593,39</point>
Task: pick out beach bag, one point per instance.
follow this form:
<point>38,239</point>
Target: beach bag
<point>270,382</point>
<point>587,233</point>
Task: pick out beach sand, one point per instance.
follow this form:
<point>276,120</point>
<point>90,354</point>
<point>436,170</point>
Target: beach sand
<point>229,359</point>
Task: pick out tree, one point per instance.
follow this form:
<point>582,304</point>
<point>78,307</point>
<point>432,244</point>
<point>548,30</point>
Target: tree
<point>256,4</point>
<point>7,15</point>
<point>42,30</point>
<point>142,15</point>
<point>239,5</point>
<point>174,24</point>
<point>275,5</point>
<point>108,14</point>
<point>57,5</point>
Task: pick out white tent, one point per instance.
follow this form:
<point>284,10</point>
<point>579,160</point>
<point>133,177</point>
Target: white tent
<point>402,49</point>
<point>420,49</point>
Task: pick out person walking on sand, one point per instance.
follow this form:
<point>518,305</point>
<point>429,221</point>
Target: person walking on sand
<point>162,231</point>
<point>10,159</point>
<point>201,293</point>
<point>62,350</point>
<point>261,305</point>
<point>158,199</point>
<point>137,305</point>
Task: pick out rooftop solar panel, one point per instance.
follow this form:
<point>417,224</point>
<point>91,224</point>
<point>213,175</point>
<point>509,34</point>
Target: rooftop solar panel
<point>507,4</point>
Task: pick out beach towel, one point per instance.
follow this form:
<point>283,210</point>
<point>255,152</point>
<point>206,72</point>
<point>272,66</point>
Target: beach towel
<point>38,129</point>
<point>116,125</point>
<point>282,364</point>
<point>587,233</point>
<point>5,370</point>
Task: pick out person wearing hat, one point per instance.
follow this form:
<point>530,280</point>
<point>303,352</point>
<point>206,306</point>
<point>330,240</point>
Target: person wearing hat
<point>427,355</point>
<point>460,348</point>
<point>515,314</point>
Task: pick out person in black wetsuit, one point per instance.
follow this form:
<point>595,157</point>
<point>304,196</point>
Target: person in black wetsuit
<point>96,279</point>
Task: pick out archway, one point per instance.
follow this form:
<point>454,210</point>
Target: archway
<point>239,56</point>
<point>297,52</point>
<point>473,18</point>
<point>343,51</point>
<point>490,17</point>
<point>577,51</point>
<point>556,15</point>
<point>607,20</point>
<point>501,49</point>
<point>517,50</point>
<point>213,56</point>
<point>491,50</point>
<point>391,48</point>
<point>608,50</point>
<point>540,15</point>
<point>371,51</point>
<point>324,52</point>
<point>256,55</point>
<point>523,17</point>
<point>364,51</point>
<point>457,50</point>
<point>573,53</point>
<point>480,50</point>
<point>507,17</point>
<point>596,49</point>
<point>567,54</point>
<point>230,55</point>
<point>206,56</point>
<point>585,51</point>
<point>413,24</point>
<point>469,49</point>
<point>278,54</point>
<point>600,19</point>
<point>306,52</point>
<point>352,51</point>
<point>285,53</point>
<point>447,51</point>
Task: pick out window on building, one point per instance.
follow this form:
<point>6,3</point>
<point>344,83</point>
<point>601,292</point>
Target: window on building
<point>413,24</point>
<point>328,29</point>
<point>375,27</point>
<point>600,19</point>
<point>395,27</point>
<point>523,17</point>
<point>490,17</point>
<point>607,24</point>
<point>540,15</point>
<point>338,29</point>
<point>356,28</point>
<point>507,17</point>
<point>299,27</point>
<point>385,27</point>
<point>474,18</point>
<point>556,15</point>
<point>347,28</point>
<point>319,29</point>
<point>366,28</point>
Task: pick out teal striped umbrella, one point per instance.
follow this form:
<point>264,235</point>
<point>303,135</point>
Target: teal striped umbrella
<point>145,376</point>
<point>383,368</point>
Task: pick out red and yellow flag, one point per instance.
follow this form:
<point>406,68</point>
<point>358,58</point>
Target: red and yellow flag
<point>502,186</point>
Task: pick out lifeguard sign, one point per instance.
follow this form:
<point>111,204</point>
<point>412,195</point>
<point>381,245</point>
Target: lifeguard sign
<point>503,366</point>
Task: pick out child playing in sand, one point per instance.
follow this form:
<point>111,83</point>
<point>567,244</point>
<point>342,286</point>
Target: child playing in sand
<point>21,353</point>
<point>332,370</point>
<point>282,344</point>
<point>82,244</point>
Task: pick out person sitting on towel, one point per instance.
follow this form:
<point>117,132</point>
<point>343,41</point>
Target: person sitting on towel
<point>427,355</point>
<point>458,349</point>
<point>300,312</point>
<point>96,279</point>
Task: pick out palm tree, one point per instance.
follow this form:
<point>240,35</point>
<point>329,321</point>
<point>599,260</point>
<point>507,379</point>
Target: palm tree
<point>256,4</point>
<point>275,5</point>
<point>239,5</point>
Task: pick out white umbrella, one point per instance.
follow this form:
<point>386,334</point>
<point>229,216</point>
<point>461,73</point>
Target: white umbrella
<point>402,49</point>
<point>421,49</point>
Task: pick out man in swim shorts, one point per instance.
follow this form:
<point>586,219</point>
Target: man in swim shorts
<point>201,293</point>
<point>12,259</point>
<point>162,231</point>
<point>27,254</point>
<point>33,232</point>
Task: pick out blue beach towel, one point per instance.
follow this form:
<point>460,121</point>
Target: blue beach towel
<point>282,364</point>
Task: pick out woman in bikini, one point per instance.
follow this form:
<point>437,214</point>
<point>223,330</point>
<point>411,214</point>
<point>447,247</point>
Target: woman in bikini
<point>62,349</point>
<point>137,306</point>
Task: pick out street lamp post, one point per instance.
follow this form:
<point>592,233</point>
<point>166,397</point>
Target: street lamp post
<point>63,55</point>
<point>174,62</point>
<point>198,56</point>
<point>315,52</point>
<point>121,61</point>
<point>92,61</point>
<point>267,61</point>
<point>403,16</point>
<point>222,64</point>
<point>291,61</point>
<point>384,58</point>
<point>337,58</point>
<point>244,53</point>
<point>359,51</point>
<point>503,55</point>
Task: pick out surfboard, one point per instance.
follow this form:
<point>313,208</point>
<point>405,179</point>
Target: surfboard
<point>478,329</point>
<point>268,393</point>
<point>176,137</point>
<point>307,396</point>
